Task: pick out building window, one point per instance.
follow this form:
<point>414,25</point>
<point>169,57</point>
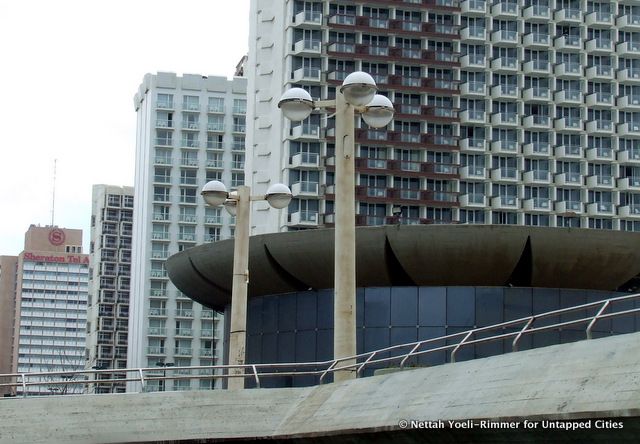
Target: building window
<point>216,105</point>
<point>191,103</point>
<point>239,106</point>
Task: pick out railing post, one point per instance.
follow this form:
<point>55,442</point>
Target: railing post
<point>24,385</point>
<point>255,375</point>
<point>141,379</point>
<point>455,350</point>
<point>413,350</point>
<point>365,363</point>
<point>514,344</point>
<point>595,318</point>
<point>333,364</point>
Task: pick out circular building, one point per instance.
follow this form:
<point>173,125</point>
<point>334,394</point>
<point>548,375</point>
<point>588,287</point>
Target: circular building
<point>414,282</point>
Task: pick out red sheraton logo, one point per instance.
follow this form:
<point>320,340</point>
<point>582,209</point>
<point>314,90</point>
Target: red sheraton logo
<point>69,259</point>
<point>56,237</point>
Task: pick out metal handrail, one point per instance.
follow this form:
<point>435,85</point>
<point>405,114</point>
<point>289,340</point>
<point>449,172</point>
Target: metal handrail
<point>321,369</point>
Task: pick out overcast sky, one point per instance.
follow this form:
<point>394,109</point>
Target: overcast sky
<point>68,72</point>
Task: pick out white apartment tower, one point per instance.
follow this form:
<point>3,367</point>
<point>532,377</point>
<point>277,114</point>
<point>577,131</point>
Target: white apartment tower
<point>507,111</point>
<point>109,282</point>
<point>190,130</point>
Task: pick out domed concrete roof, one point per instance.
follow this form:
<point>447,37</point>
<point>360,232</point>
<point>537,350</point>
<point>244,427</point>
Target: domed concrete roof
<point>429,255</point>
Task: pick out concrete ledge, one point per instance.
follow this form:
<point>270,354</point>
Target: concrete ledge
<point>579,381</point>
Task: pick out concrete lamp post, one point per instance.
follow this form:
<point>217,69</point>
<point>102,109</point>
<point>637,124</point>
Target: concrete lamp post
<point>357,93</point>
<point>237,203</point>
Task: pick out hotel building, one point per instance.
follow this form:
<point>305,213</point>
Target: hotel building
<point>109,281</point>
<point>190,130</point>
<point>521,112</point>
<point>47,286</point>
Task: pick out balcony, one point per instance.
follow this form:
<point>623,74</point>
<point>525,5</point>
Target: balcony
<point>470,144</point>
<point>629,129</point>
<point>600,99</point>
<point>628,22</point>
<point>536,122</point>
<point>307,47</point>
<point>600,126</point>
<point>597,46</point>
<point>308,18</point>
<point>302,75</point>
<point>599,72</point>
<point>536,94</point>
<point>537,149</point>
<point>163,104</point>
<point>476,200</point>
<point>504,38</point>
<point>505,174</point>
<point>568,97</point>
<point>304,219</point>
<point>473,61</point>
<point>599,154</point>
<point>536,40</point>
<point>163,123</point>
<point>154,350</point>
<point>509,119</point>
<point>184,313</point>
<point>598,19</point>
<point>157,312</point>
<point>184,332</point>
<point>600,209</point>
<point>542,67</point>
<point>301,189</point>
<point>305,160</point>
<point>473,172</point>
<point>473,116</point>
<point>473,7</point>
<point>631,156</point>
<point>505,64</point>
<point>629,102</point>
<point>504,92</point>
<point>306,131</point>
<point>540,204</point>
<point>631,75</point>
<point>505,203</point>
<point>473,33</point>
<point>568,206</point>
<point>628,49</point>
<point>599,181</point>
<point>568,179</point>
<point>182,351</point>
<point>536,177</point>
<point>473,89</point>
<point>504,147</point>
<point>568,124</point>
<point>505,9</point>
<point>632,210</point>
<point>629,184</point>
<point>568,15</point>
<point>537,13</point>
<point>567,43</point>
<point>568,70</point>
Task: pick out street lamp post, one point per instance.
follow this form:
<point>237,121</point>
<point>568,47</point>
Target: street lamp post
<point>237,203</point>
<point>357,93</point>
<point>164,366</point>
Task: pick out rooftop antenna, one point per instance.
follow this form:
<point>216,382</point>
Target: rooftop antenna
<point>53,200</point>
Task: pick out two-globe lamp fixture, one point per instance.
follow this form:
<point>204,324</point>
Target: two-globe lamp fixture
<point>237,204</point>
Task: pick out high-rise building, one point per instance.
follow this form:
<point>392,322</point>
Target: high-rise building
<point>191,130</point>
<point>8,274</point>
<point>109,282</point>
<point>507,112</point>
<point>48,284</point>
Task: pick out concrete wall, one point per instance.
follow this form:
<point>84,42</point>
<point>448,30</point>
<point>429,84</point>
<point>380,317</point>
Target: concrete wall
<point>587,379</point>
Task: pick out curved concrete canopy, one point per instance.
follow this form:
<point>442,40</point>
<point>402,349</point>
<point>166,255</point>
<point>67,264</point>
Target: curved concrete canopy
<point>431,255</point>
